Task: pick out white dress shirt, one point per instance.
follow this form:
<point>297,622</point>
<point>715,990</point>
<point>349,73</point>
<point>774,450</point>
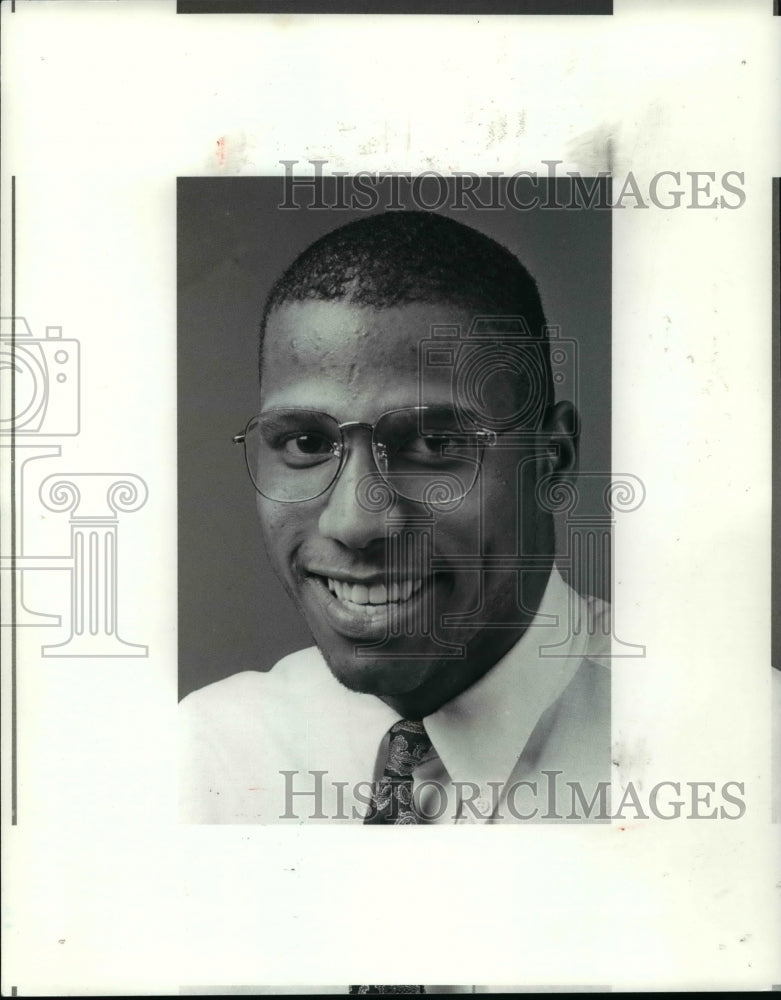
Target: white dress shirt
<point>293,745</point>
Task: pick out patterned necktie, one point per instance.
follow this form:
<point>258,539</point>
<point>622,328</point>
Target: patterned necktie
<point>392,802</point>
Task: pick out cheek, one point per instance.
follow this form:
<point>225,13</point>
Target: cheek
<point>458,532</point>
<point>512,484</point>
<point>278,529</point>
<point>507,509</point>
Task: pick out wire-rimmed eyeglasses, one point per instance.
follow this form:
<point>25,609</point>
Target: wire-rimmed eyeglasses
<point>427,454</point>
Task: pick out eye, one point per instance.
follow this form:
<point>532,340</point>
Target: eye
<point>433,443</point>
<point>430,447</point>
<point>306,449</point>
<point>308,444</point>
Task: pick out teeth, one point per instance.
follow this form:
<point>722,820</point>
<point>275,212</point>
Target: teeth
<point>378,593</point>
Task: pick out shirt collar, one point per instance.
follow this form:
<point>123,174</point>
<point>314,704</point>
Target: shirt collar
<point>480,734</point>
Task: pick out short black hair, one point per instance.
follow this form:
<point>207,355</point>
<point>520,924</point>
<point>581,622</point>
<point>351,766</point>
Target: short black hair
<point>400,257</point>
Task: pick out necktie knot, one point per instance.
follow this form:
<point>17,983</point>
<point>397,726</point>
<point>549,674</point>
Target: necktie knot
<point>393,801</point>
<point>409,744</point>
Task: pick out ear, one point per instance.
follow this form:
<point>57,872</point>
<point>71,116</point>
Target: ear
<point>561,427</point>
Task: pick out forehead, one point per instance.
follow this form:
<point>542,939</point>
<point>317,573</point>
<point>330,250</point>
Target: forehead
<point>319,352</point>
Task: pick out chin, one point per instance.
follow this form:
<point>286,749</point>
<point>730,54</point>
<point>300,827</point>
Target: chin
<point>385,678</point>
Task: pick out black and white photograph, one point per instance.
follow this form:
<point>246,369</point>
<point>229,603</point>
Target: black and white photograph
<point>454,654</point>
<point>388,434</point>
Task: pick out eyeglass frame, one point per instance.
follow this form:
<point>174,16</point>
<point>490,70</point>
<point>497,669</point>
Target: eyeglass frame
<point>486,438</point>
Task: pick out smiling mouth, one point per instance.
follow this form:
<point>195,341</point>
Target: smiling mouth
<point>358,595</point>
<point>371,611</point>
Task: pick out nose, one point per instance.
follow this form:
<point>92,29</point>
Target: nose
<point>356,505</point>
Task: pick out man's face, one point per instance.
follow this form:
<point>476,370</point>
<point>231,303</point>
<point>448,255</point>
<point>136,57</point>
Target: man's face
<point>332,553</point>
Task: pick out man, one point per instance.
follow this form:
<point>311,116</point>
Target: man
<point>403,457</point>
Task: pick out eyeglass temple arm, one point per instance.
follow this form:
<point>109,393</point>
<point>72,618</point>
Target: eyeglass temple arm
<point>239,438</point>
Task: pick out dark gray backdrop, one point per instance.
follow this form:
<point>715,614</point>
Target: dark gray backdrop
<point>233,242</point>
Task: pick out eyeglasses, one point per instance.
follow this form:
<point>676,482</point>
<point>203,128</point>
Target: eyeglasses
<point>427,454</point>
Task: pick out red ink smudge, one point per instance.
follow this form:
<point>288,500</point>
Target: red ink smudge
<point>221,151</point>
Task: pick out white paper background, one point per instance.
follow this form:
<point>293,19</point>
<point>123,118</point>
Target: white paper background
<point>109,102</point>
